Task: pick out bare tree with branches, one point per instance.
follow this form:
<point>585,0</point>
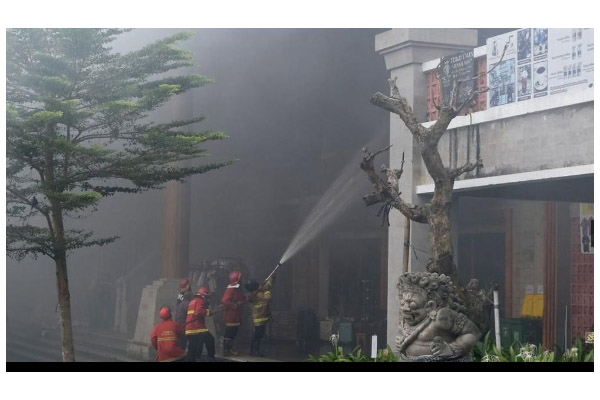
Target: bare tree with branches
<point>435,212</point>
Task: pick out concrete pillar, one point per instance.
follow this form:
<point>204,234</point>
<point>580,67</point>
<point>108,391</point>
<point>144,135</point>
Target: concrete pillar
<point>404,51</point>
<point>176,230</point>
<point>176,217</point>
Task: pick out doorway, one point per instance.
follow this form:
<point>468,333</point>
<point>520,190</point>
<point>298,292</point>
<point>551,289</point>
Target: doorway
<point>482,256</point>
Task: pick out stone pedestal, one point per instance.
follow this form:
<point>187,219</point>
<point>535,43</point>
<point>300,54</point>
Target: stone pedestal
<point>161,292</point>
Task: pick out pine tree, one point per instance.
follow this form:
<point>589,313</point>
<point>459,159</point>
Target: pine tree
<point>79,128</point>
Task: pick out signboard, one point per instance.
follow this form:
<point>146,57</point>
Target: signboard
<point>538,62</point>
<point>502,79</point>
<point>458,67</point>
<point>586,224</point>
<point>572,59</point>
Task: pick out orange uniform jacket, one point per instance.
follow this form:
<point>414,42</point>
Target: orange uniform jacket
<point>164,339</point>
<point>197,310</point>
<point>232,310</point>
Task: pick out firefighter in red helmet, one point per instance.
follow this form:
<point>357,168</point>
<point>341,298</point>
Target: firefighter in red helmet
<point>185,290</point>
<point>232,301</point>
<point>195,326</point>
<point>165,337</point>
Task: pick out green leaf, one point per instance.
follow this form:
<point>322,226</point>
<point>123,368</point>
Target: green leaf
<point>511,351</point>
<point>497,351</point>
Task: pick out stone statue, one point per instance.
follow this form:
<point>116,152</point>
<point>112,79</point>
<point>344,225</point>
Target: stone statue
<point>433,324</point>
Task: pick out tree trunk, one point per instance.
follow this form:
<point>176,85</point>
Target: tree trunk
<point>440,235</point>
<point>62,283</point>
<point>60,258</point>
<point>64,306</point>
<point>440,240</point>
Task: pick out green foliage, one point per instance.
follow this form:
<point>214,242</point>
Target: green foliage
<point>486,351</point>
<point>578,353</point>
<point>356,355</point>
<point>78,129</point>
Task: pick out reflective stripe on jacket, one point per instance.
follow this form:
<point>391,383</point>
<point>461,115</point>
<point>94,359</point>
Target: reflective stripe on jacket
<point>164,338</point>
<point>197,311</point>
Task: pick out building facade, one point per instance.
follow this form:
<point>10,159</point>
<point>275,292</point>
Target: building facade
<point>524,220</point>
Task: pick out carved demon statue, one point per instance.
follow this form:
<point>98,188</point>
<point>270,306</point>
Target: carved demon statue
<point>433,324</point>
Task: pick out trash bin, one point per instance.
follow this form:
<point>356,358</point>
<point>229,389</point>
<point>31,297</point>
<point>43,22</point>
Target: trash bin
<point>308,330</point>
<point>531,329</point>
<point>506,332</point>
<point>510,331</point>
<point>345,332</point>
<point>523,330</point>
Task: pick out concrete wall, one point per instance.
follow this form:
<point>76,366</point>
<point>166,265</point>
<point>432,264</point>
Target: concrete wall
<point>554,138</point>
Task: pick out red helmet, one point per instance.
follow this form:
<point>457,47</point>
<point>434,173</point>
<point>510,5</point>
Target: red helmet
<point>165,313</point>
<point>235,277</point>
<point>184,283</point>
<point>203,291</point>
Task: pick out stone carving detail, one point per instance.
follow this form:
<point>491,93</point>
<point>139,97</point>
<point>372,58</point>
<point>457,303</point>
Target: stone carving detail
<point>433,325</point>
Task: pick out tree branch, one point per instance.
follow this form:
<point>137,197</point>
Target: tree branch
<point>393,175</point>
<point>400,107</point>
<point>25,200</point>
<point>468,167</point>
<point>384,192</point>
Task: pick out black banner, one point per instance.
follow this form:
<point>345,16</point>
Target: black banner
<point>459,68</point>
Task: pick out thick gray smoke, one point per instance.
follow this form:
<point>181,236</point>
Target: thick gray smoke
<point>295,103</point>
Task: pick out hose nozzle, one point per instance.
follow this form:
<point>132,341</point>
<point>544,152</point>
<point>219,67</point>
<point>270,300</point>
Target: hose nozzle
<point>272,272</point>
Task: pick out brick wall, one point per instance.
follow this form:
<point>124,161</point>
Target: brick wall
<point>582,285</point>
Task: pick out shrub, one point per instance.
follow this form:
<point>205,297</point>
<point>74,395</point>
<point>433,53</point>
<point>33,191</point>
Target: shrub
<point>356,355</point>
<point>486,351</point>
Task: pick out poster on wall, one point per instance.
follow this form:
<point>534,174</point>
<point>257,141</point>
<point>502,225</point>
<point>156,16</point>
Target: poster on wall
<point>586,224</point>
<point>540,78</point>
<point>539,62</point>
<point>524,46</point>
<point>502,83</point>
<point>502,50</point>
<point>524,58</point>
<point>525,82</point>
<point>457,67</point>
<point>572,59</point>
<point>540,44</point>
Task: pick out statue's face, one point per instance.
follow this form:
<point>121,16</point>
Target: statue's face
<point>413,307</point>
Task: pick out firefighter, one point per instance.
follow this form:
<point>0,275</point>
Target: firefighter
<point>232,301</point>
<point>165,336</point>
<point>185,290</point>
<point>261,312</point>
<point>183,300</point>
<point>195,326</point>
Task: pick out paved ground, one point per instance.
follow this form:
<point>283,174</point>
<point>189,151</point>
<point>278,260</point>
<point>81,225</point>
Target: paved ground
<point>26,343</point>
